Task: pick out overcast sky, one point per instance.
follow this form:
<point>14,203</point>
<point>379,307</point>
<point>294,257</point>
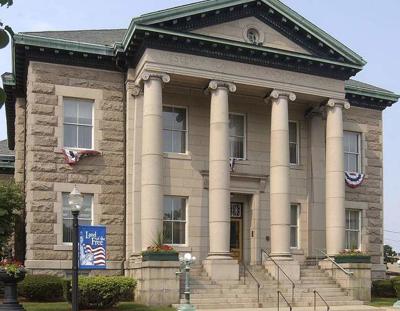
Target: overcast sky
<point>369,27</point>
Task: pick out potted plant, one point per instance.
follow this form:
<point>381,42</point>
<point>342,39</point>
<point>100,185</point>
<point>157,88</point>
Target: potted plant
<point>11,272</point>
<point>159,251</point>
<point>352,256</point>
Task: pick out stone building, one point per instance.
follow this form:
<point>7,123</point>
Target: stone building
<point>6,162</point>
<point>226,125</point>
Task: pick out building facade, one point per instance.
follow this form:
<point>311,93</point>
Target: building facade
<point>225,125</point>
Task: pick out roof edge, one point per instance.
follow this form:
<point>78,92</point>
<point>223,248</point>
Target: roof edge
<point>362,91</point>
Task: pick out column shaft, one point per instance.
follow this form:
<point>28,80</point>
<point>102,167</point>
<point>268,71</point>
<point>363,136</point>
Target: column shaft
<point>219,180</point>
<point>152,159</point>
<point>335,187</point>
<point>279,175</point>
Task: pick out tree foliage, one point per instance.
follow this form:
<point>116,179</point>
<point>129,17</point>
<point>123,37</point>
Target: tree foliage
<point>11,203</point>
<point>389,254</point>
<point>5,34</point>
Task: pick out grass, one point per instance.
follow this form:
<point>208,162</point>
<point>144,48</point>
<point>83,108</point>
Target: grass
<point>382,302</point>
<point>63,306</point>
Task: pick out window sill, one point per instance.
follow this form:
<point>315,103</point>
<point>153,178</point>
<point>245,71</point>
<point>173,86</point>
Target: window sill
<point>177,156</point>
<point>242,162</point>
<point>296,251</point>
<point>296,166</point>
<point>182,248</point>
<point>63,247</point>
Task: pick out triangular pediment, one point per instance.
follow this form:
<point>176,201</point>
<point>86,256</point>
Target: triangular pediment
<point>237,30</point>
<point>282,27</point>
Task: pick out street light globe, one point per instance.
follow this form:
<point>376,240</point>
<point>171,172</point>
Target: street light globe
<point>75,200</point>
<point>188,256</point>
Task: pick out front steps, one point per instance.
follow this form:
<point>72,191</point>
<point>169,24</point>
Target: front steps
<point>242,294</point>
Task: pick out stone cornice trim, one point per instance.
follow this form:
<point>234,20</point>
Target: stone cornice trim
<point>215,84</point>
<point>339,103</point>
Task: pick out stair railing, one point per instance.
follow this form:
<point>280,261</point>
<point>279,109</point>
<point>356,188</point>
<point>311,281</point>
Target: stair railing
<point>279,269</point>
<point>255,280</point>
<point>324,301</point>
<point>335,263</point>
<point>287,302</point>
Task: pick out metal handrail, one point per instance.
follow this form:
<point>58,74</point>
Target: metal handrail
<point>279,269</point>
<point>315,300</point>
<point>287,302</point>
<point>335,263</point>
<point>254,278</point>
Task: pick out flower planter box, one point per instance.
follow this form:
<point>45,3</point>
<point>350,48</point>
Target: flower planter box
<point>159,256</point>
<point>353,259</point>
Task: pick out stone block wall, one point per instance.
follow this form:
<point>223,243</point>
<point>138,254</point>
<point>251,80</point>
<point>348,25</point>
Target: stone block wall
<point>47,176</point>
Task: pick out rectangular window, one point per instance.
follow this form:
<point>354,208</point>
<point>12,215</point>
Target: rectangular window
<point>85,215</point>
<point>353,229</point>
<point>237,136</point>
<point>174,224</point>
<point>294,225</point>
<point>175,129</point>
<point>78,123</point>
<point>293,142</point>
<point>352,155</point>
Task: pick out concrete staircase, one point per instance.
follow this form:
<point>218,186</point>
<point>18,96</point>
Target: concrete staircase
<point>240,294</point>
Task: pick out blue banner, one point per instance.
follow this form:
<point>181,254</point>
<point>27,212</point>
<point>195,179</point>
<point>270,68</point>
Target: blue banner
<point>92,247</point>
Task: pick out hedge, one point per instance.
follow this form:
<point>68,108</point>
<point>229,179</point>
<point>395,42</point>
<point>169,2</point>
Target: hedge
<point>101,292</point>
<point>41,288</point>
<point>386,288</point>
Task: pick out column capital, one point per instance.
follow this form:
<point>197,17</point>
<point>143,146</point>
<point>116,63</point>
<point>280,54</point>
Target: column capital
<point>275,94</point>
<point>133,88</point>
<point>148,75</point>
<point>343,103</point>
<point>215,84</point>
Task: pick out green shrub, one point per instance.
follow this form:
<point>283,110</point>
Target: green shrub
<point>101,292</point>
<point>41,288</point>
<point>383,288</point>
<point>396,285</point>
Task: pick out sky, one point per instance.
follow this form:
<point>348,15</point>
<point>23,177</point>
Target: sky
<point>368,27</point>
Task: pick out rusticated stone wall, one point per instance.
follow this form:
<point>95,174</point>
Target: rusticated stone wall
<point>369,196</point>
<point>47,176</point>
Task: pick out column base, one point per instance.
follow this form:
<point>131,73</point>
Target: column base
<point>290,266</point>
<point>221,268</point>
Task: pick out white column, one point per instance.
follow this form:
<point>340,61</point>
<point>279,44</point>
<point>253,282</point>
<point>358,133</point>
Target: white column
<point>335,187</point>
<point>279,174</point>
<point>152,157</point>
<point>219,180</point>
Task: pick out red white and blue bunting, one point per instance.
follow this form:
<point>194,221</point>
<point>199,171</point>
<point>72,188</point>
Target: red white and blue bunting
<point>353,179</point>
<point>71,157</point>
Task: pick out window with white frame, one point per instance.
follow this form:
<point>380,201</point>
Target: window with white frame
<point>293,142</point>
<point>353,229</point>
<point>174,223</point>
<point>174,129</point>
<point>85,215</point>
<point>352,154</point>
<point>78,123</point>
<point>294,225</point>
<point>237,135</point>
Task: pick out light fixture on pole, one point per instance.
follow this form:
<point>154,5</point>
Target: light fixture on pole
<point>75,200</point>
<point>186,261</point>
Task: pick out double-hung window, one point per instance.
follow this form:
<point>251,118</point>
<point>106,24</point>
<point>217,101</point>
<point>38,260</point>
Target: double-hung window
<point>174,223</point>
<point>294,225</point>
<point>237,136</point>
<point>293,142</point>
<point>352,154</point>
<point>85,215</point>
<point>174,129</point>
<point>353,229</point>
<point>78,123</point>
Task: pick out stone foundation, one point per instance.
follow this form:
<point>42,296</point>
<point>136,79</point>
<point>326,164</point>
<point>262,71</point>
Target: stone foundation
<point>358,284</point>
<point>222,269</point>
<point>157,282</point>
<point>291,268</point>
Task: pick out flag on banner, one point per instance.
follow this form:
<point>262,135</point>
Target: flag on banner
<point>71,157</point>
<point>92,247</point>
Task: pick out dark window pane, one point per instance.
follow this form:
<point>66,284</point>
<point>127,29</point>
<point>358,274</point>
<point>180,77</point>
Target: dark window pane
<point>292,132</point>
<point>85,112</point>
<point>293,237</point>
<point>179,119</point>
<point>293,215</point>
<point>236,125</point>
<point>67,230</point>
<point>168,118</point>
<point>167,232</point>
<point>168,206</point>
<point>179,233</point>
<point>178,139</point>
<point>236,147</point>
<point>85,137</point>
<point>70,135</point>
<point>179,209</point>
<point>167,141</point>
<point>70,111</point>
<point>293,153</point>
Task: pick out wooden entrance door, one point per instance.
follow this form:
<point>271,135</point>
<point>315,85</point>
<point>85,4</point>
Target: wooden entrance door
<point>236,244</point>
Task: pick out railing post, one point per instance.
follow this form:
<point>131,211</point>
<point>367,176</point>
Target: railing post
<point>278,299</point>
<point>315,300</point>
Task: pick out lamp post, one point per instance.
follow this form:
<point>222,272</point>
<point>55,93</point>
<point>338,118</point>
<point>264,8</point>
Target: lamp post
<point>186,261</point>
<point>75,200</point>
